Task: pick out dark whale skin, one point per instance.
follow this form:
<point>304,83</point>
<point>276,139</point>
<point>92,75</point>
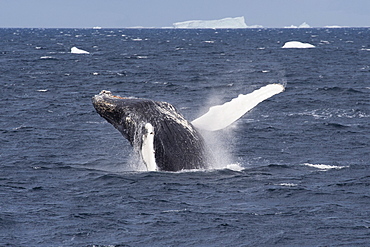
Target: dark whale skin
<point>177,144</point>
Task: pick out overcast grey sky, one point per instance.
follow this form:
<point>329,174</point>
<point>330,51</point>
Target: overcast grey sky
<point>162,13</point>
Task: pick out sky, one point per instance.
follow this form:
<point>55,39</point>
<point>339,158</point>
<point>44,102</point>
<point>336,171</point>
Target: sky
<point>162,13</point>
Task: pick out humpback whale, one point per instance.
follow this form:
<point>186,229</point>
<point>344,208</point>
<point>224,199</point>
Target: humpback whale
<point>164,139</point>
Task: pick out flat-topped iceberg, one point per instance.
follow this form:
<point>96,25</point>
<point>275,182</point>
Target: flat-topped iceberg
<point>297,44</point>
<point>75,50</point>
<point>237,22</point>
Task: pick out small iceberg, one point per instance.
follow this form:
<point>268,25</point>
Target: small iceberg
<point>75,50</point>
<point>297,44</point>
<point>303,25</point>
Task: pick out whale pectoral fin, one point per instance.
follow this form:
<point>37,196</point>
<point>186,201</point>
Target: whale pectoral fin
<point>221,116</point>
<point>147,148</point>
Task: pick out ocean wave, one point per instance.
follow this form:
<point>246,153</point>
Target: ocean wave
<point>324,167</point>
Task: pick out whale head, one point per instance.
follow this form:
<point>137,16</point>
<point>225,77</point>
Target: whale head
<point>125,114</point>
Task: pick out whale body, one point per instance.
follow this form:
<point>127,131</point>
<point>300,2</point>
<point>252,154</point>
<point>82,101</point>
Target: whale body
<point>164,139</point>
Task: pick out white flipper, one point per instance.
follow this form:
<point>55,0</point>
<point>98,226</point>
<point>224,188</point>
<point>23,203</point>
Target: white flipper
<point>147,148</point>
<point>221,116</point>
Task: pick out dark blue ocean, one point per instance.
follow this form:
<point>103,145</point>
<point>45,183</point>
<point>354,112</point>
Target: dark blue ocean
<point>294,171</point>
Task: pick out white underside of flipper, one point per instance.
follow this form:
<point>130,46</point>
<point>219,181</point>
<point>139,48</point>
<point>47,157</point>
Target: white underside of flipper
<point>220,116</point>
<point>147,148</point>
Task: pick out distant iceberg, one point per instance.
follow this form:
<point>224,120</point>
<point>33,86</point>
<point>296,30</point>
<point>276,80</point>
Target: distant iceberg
<point>75,50</point>
<point>303,25</point>
<point>297,44</point>
<point>237,22</point>
<point>334,26</point>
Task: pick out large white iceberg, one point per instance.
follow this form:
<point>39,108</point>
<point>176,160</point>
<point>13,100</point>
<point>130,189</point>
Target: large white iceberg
<point>297,44</point>
<point>237,22</point>
<point>75,50</point>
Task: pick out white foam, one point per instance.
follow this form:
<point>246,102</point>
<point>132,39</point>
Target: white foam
<point>235,167</point>
<point>288,184</point>
<point>297,44</point>
<point>75,50</point>
<point>324,167</point>
<point>48,58</point>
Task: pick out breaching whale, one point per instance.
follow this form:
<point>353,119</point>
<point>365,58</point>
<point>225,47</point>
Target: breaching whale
<point>156,130</point>
<point>164,139</point>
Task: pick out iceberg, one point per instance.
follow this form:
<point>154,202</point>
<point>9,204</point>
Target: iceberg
<point>303,25</point>
<point>237,22</point>
<point>297,44</point>
<point>334,26</point>
<point>75,50</point>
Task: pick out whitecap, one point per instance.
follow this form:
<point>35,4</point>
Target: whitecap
<point>48,58</point>
<point>235,167</point>
<point>288,184</point>
<point>324,167</point>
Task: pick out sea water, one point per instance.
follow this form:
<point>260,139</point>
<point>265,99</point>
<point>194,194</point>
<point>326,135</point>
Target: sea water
<point>294,171</point>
